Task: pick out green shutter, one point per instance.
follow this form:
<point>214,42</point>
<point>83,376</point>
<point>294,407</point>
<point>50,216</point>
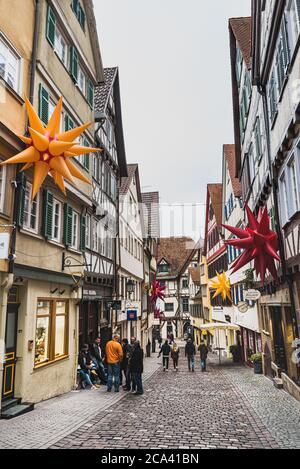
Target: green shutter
<point>69,124</point>
<point>74,63</point>
<point>74,5</point>
<point>50,29</point>
<point>81,17</point>
<point>83,233</point>
<point>43,104</point>
<point>90,93</point>
<point>20,195</point>
<point>86,160</point>
<point>48,214</point>
<point>68,217</point>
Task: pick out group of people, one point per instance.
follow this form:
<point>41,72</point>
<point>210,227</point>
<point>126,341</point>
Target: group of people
<point>118,362</point>
<point>171,348</point>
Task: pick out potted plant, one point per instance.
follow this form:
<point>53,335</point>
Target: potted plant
<point>256,359</point>
<point>235,351</point>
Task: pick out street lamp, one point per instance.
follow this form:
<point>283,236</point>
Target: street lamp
<point>130,286</point>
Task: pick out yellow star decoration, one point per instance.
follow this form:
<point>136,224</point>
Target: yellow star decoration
<point>222,286</point>
<point>49,151</point>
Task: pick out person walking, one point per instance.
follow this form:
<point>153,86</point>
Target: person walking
<point>165,351</point>
<point>114,356</point>
<point>97,357</point>
<point>203,349</point>
<point>137,367</point>
<point>175,355</point>
<point>190,352</point>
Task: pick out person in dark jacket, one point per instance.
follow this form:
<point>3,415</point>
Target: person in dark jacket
<point>203,349</point>
<point>165,351</point>
<point>137,367</point>
<point>125,364</point>
<point>190,352</point>
<point>86,366</point>
<point>98,358</point>
<point>175,355</point>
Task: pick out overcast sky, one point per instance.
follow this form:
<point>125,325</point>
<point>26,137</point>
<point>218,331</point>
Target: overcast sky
<point>174,63</point>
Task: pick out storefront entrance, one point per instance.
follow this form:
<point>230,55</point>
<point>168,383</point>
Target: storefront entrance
<point>10,351</point>
<point>278,337</point>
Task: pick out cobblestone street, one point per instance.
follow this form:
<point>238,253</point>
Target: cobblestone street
<point>227,407</point>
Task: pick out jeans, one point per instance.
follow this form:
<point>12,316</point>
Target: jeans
<point>203,364</point>
<point>100,371</point>
<point>86,377</point>
<point>113,375</point>
<point>166,362</point>
<point>139,383</point>
<point>191,362</point>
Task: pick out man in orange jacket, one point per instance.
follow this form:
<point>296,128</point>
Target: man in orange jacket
<point>114,356</point>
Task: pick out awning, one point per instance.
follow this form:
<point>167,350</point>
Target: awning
<point>220,325</point>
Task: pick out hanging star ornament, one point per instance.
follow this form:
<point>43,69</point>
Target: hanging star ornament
<point>157,313</point>
<point>157,291</point>
<point>259,242</point>
<point>222,287</point>
<point>51,152</point>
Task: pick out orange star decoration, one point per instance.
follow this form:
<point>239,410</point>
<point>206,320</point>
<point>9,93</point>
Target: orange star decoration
<point>49,151</point>
<point>222,286</point>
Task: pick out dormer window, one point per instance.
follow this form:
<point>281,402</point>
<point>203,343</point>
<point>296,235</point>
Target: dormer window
<point>163,267</point>
<point>239,65</point>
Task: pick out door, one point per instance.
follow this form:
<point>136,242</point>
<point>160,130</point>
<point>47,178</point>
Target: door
<point>279,348</point>
<point>9,372</point>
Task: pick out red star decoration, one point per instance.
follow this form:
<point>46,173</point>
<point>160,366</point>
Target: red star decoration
<point>259,242</point>
<point>157,291</point>
<point>157,313</point>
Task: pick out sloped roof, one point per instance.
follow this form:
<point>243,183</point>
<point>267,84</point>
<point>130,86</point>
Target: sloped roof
<point>151,214</point>
<point>126,181</point>
<point>102,94</point>
<point>229,154</point>
<point>195,274</point>
<point>176,251</point>
<point>215,191</point>
<point>241,28</point>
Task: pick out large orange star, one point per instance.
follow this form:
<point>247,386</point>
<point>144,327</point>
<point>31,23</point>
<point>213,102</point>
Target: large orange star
<point>49,151</point>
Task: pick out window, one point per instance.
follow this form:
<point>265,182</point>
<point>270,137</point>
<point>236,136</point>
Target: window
<point>293,22</point>
<point>2,186</point>
<point>56,220</point>
<point>30,218</point>
<point>185,305</point>
<point>273,97</point>
<point>163,269</point>
<point>81,81</point>
<point>88,231</point>
<point>284,199</point>
<point>9,65</point>
<point>61,47</point>
<point>251,163</point>
<point>95,235</point>
<point>75,222</point>
<point>282,56</point>
<point>239,65</point>
<point>79,12</point>
<point>294,184</point>
<point>169,307</point>
<point>289,189</point>
<point>51,337</point>
<point>258,143</point>
<point>185,283</point>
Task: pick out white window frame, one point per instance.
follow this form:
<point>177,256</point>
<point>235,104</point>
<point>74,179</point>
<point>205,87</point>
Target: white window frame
<point>56,203</point>
<point>27,226</point>
<point>2,187</point>
<point>59,39</point>
<point>9,49</point>
<point>293,24</point>
<point>82,75</point>
<point>75,230</point>
<point>88,231</point>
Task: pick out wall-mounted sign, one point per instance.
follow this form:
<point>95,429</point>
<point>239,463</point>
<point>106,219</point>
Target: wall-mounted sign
<point>132,315</point>
<point>4,245</point>
<point>243,307</point>
<point>252,295</point>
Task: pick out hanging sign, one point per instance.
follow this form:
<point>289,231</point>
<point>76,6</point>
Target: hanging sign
<point>243,307</point>
<point>4,245</point>
<point>252,295</point>
<point>132,315</point>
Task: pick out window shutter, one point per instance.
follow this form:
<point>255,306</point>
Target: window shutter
<point>74,63</point>
<point>48,214</point>
<point>20,195</point>
<point>51,24</point>
<point>81,17</point>
<point>43,104</point>
<point>68,218</point>
<point>90,93</point>
<point>285,43</point>
<point>83,233</point>
<point>69,124</point>
<point>75,6</point>
<point>87,156</point>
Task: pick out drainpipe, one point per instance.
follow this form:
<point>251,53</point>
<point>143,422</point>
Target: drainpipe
<point>37,22</point>
<point>286,276</point>
<point>5,287</point>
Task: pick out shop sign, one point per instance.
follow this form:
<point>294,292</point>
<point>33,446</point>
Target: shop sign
<point>252,295</point>
<point>243,307</point>
<point>132,315</point>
